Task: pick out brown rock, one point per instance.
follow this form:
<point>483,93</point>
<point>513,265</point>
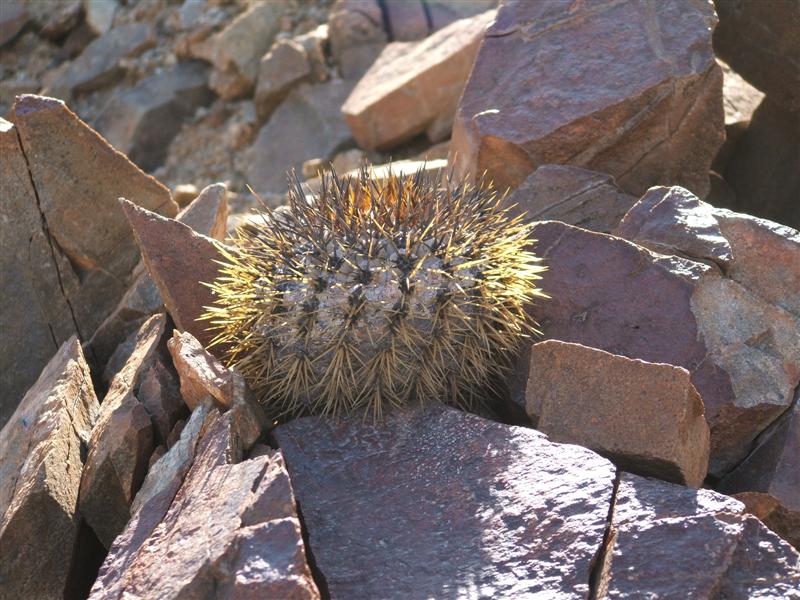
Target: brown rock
<point>357,35</point>
<point>231,531</point>
<point>179,261</point>
<point>13,17</point>
<point>99,65</point>
<point>200,373</point>
<point>159,393</point>
<point>183,194</point>
<point>444,12</point>
<point>40,475</point>
<point>284,66</point>
<point>659,530</point>
<point>207,214</point>
<point>121,442</point>
<point>768,481</point>
<point>646,417</point>
<point>141,121</point>
<point>742,352</point>
<point>63,17</point>
<point>68,251</point>
<point>646,109</point>
<point>760,41</point>
<point>412,85</point>
<point>308,124</point>
<point>740,98</point>
<point>467,506</point>
<point>572,195</point>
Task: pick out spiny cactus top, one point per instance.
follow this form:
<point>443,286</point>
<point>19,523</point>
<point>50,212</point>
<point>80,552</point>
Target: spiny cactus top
<point>375,292</point>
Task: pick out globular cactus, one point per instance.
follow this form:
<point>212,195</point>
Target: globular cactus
<point>375,292</point>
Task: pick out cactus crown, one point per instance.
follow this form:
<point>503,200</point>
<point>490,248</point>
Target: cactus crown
<point>374,292</point>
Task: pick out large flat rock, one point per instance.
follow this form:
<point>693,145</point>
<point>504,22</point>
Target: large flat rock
<point>437,503</point>
<point>626,88</point>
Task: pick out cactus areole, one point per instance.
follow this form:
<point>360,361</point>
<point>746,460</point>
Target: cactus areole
<point>374,293</point>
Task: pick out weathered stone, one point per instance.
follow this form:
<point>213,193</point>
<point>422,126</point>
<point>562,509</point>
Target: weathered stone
<point>159,393</point>
<point>444,12</point>
<point>184,193</point>
<point>40,473</point>
<point>768,481</point>
<point>13,17</point>
<point>201,374</point>
<point>760,41</point>
<point>121,442</point>
<point>469,507</point>
<point>357,35</point>
<point>143,120</point>
<point>231,531</point>
<point>407,21</point>
<point>236,50</point>
<point>664,543</point>
<point>308,124</point>
<point>412,85</point>
<point>742,353</point>
<point>646,417</point>
<point>179,261</point>
<point>284,66</point>
<point>740,98</point>
<point>67,248</point>
<point>764,167</point>
<point>647,109</point>
<point>63,17</point>
<point>99,64</point>
<point>572,195</point>
<point>99,14</point>
<point>207,214</point>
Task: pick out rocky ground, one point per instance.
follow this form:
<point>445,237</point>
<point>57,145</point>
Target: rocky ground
<point>646,446</point>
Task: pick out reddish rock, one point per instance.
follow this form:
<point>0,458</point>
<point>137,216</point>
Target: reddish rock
<point>623,88</point>
<point>280,69</point>
<point>160,395</point>
<point>231,531</point>
<point>572,195</point>
<point>357,35</point>
<point>179,261</point>
<point>768,480</point>
<point>742,352</point>
<point>40,473</point>
<point>413,85</point>
<point>201,374</point>
<point>121,442</point>
<point>664,543</point>
<point>207,213</point>
<point>646,417</point>
<point>760,41</point>
<point>467,506</point>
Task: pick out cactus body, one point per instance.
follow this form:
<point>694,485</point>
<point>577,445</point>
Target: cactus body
<point>375,292</point>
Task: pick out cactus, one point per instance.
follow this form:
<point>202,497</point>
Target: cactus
<point>375,292</point>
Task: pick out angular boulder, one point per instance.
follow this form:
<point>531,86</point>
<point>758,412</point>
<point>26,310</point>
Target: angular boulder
<point>357,35</point>
<point>285,65</point>
<point>201,374</point>
<point>623,88</point>
<point>40,472</point>
<point>646,417</point>
<point>438,503</point>
<point>412,86</point>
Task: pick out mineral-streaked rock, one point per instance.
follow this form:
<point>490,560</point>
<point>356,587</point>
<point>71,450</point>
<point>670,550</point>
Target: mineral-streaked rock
<point>465,506</point>
<point>625,88</point>
<point>646,417</point>
<point>40,473</point>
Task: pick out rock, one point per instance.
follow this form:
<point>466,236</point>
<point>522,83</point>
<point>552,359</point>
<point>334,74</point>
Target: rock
<point>284,66</point>
<point>40,472</point>
<point>647,109</point>
<point>357,35</point>
<point>412,85</point>
<point>68,251</point>
<point>314,44</point>
<point>718,552</point>
<point>236,50</point>
<point>444,12</point>
<point>159,393</point>
<point>63,17</point>
<point>407,21</point>
<point>99,14</point>
<point>13,17</point>
<point>742,352</point>
<point>572,195</point>
<point>183,194</point>
<point>179,261</point>
<point>208,215</point>
<point>306,125</point>
<point>143,120</point>
<point>768,481</point>
<point>231,531</point>
<point>99,65</point>
<point>764,167</point>
<point>200,373</point>
<point>759,40</point>
<point>646,417</point>
<point>121,442</point>
<point>467,506</point>
<point>740,98</point>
